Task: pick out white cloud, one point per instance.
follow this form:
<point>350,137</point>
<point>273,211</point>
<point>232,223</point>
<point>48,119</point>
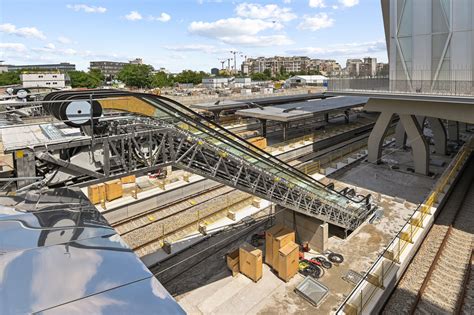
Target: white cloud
<point>349,3</point>
<point>17,47</point>
<point>348,49</point>
<point>232,27</point>
<point>208,49</point>
<point>317,3</point>
<point>316,22</point>
<point>29,32</point>
<point>164,17</point>
<point>133,16</point>
<point>269,11</point>
<point>257,41</point>
<point>64,40</point>
<point>86,8</point>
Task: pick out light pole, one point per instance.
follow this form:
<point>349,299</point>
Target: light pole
<point>234,52</point>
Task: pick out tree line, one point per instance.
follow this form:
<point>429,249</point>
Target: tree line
<point>266,75</point>
<point>141,76</point>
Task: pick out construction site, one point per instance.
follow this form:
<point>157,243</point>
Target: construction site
<point>269,209</point>
<point>351,198</point>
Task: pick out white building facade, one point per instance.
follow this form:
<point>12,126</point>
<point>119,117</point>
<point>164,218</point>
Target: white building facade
<point>214,83</point>
<point>430,42</point>
<point>307,80</point>
<point>44,80</point>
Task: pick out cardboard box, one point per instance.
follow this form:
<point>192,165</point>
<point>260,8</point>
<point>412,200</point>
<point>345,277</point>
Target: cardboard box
<point>288,260</point>
<point>128,179</point>
<point>251,261</point>
<point>96,193</point>
<point>233,261</point>
<point>113,190</point>
<point>280,239</point>
<point>269,243</point>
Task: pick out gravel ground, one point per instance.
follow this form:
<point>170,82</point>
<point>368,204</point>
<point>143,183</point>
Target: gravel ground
<point>404,296</point>
<point>445,286</point>
<point>154,231</point>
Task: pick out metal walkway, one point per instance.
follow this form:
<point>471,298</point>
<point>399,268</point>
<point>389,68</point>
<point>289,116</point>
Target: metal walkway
<point>168,133</point>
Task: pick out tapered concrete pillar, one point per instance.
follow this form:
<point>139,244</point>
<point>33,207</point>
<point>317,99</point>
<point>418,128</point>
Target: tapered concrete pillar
<point>417,141</point>
<point>453,130</point>
<point>439,135</point>
<point>377,136</point>
<point>400,136</point>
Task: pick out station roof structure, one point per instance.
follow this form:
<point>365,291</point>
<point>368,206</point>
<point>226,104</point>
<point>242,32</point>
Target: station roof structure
<point>302,110</point>
<point>59,255</point>
<point>263,101</point>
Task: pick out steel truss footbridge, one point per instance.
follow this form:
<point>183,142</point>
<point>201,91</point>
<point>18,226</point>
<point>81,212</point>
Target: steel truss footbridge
<point>126,133</point>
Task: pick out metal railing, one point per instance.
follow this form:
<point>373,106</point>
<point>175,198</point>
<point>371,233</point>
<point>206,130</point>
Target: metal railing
<point>385,85</point>
<point>361,295</point>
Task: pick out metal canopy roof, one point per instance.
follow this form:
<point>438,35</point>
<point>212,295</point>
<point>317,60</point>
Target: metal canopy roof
<point>59,255</point>
<point>303,110</point>
<point>238,104</point>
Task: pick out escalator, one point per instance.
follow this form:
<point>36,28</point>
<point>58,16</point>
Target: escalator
<point>211,151</point>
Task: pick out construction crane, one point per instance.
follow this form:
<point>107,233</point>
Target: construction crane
<point>234,52</point>
<point>222,61</point>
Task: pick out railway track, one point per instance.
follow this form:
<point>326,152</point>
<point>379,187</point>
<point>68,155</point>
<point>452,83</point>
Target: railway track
<point>145,231</point>
<point>437,280</point>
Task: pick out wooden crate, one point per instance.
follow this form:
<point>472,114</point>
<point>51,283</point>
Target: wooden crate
<point>288,260</point>
<point>96,193</point>
<point>128,179</point>
<point>269,243</point>
<point>113,190</point>
<point>232,258</point>
<point>250,261</point>
<point>280,239</point>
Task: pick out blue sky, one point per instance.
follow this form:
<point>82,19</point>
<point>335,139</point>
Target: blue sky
<point>187,34</point>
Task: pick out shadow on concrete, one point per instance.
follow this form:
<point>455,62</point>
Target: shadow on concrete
<point>205,262</point>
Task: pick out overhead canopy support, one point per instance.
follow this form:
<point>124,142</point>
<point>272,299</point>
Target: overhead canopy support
<point>377,135</point>
<point>439,135</point>
<point>417,141</point>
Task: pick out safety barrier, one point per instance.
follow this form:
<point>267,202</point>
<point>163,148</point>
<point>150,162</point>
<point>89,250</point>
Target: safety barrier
<point>337,155</point>
<point>315,136</point>
<point>385,265</point>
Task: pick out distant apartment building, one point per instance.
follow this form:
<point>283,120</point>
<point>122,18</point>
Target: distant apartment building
<point>382,69</point>
<point>110,69</point>
<point>328,67</point>
<point>136,61</point>
<point>275,64</point>
<point>289,64</point>
<point>353,67</point>
<point>366,67</point>
<point>61,67</point>
<point>55,80</point>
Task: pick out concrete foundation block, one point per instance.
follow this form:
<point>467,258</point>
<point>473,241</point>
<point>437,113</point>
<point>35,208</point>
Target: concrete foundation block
<point>202,228</point>
<point>166,247</point>
<point>256,202</point>
<point>231,215</point>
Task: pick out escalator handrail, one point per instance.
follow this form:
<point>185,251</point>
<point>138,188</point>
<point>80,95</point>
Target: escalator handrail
<point>248,149</point>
